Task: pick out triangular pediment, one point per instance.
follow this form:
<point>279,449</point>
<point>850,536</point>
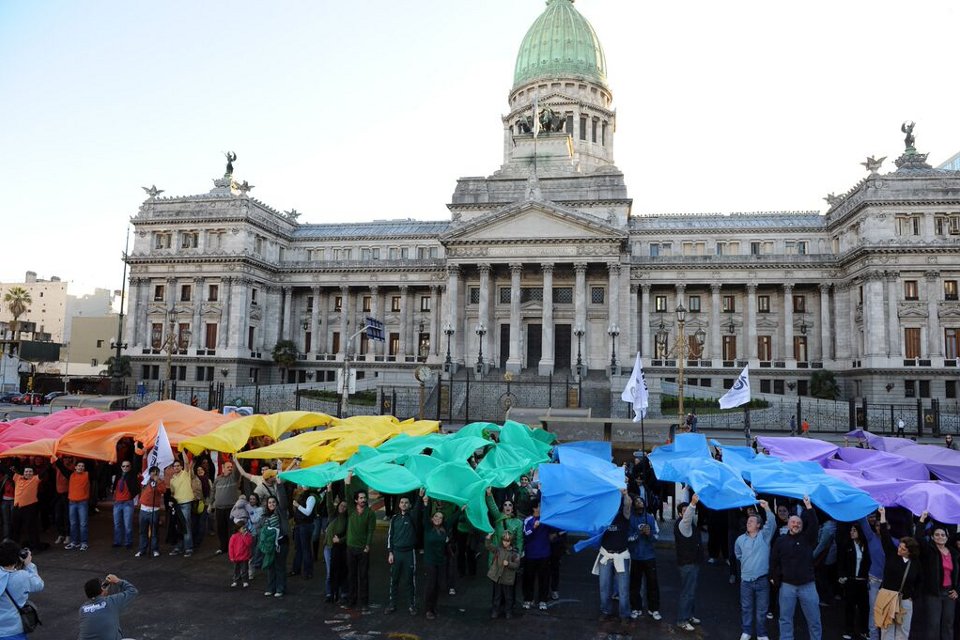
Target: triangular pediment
<point>533,220</point>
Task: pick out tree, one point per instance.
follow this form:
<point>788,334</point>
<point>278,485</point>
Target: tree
<point>285,354</point>
<point>17,300</point>
<point>823,384</point>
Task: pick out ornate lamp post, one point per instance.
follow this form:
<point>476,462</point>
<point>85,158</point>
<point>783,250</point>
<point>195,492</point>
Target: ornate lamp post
<point>448,331</point>
<point>481,331</point>
<point>578,331</point>
<point>171,343</point>
<point>613,331</point>
<point>681,350</point>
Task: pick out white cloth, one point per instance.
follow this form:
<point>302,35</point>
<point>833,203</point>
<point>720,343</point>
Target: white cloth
<point>739,393</point>
<point>620,560</point>
<point>636,392</point>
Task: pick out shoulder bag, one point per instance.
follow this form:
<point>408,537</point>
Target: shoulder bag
<point>29,616</point>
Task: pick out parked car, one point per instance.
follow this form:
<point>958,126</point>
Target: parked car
<point>29,398</point>
<point>47,399</point>
<point>9,397</point>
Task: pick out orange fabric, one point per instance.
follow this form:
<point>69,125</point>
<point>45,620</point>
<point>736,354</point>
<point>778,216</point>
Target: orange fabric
<point>98,441</point>
<point>79,487</point>
<point>44,447</point>
<point>25,493</point>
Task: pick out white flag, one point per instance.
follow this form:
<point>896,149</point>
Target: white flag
<point>161,455</point>
<point>636,392</point>
<point>739,393</point>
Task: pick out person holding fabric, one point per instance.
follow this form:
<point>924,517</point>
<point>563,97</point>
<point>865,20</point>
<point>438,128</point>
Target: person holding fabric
<point>949,443</point>
<point>791,567</point>
<point>536,558</point>
<point>893,610</point>
<point>871,533</point>
<point>254,521</point>
<point>269,543</point>
<point>226,492</point>
<point>613,563</point>
<point>78,494</point>
<point>304,514</point>
<point>361,523</point>
<point>61,504</point>
<point>825,558</point>
<point>26,506</point>
<point>752,550</point>
<point>151,501</point>
<point>125,490</point>
<point>643,560</point>
<point>451,520</point>
<point>940,567</point>
<point>505,519</point>
<point>18,579</point>
<point>689,548</point>
<point>335,547</point>
<point>435,541</point>
<point>184,496</point>
<point>854,571</point>
<point>401,553</point>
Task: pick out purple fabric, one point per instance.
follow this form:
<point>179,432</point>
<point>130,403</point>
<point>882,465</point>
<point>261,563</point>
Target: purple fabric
<point>940,499</point>
<point>885,492</point>
<point>791,449</point>
<point>881,465</point>
<point>942,462</point>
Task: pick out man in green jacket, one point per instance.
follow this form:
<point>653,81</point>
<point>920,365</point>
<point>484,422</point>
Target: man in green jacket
<point>401,553</point>
<point>361,524</point>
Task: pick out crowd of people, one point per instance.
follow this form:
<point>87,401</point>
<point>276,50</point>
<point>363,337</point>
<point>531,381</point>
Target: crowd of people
<point>888,572</point>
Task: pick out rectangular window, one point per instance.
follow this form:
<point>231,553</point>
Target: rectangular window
<point>183,335</point>
<point>799,304</point>
<point>335,347</point>
<point>504,295</point>
<point>395,304</point>
<point>694,302</point>
<point>660,304</point>
<point>189,240</point>
<point>694,350</point>
<point>404,253</point>
<point>949,289</point>
<point>765,348</point>
<point>250,335</point>
<point>338,303</point>
<point>802,247</point>
<point>204,374</point>
<point>911,342</point>
<point>394,344</point>
<point>161,241</point>
<point>583,127</point>
<point>765,386</point>
<point>258,245</point>
<point>394,253</point>
<point>562,295</point>
<point>474,295</point>
<point>434,252</point>
<point>210,340</point>
<point>800,348</point>
<point>185,292</point>
<point>721,248</point>
<point>597,295</point>
<point>729,347</point>
<point>951,345</point>
<point>729,304</point>
<point>763,304</point>
<point>156,335</point>
<point>367,302</point>
<point>654,250</point>
<point>568,126</point>
<point>213,293</point>
<point>950,389</point>
<point>159,293</point>
<point>531,294</point>
<point>423,253</point>
<point>424,303</point>
<point>603,133</point>
<point>924,388</point>
<point>754,248</point>
<point>365,254</point>
<point>911,290</point>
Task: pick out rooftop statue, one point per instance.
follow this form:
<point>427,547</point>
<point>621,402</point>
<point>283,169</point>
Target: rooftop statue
<point>873,164</point>
<point>152,190</point>
<point>833,200</point>
<point>907,128</point>
<point>550,120</point>
<point>231,158</point>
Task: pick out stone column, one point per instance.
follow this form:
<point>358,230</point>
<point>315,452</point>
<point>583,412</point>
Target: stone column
<point>634,313</point>
<point>893,320</point>
<point>750,322</point>
<point>646,345</point>
<point>223,330</point>
<point>171,295</point>
<point>236,311</point>
<point>132,328</point>
<point>613,307</point>
<point>515,359</point>
<point>787,353</point>
<point>483,309</point>
<point>315,322</point>
<point>453,311</point>
<point>843,317</point>
<point>874,328</point>
<point>434,321</point>
<point>932,295</point>
<point>197,340</point>
<point>284,332</point>
<point>344,328</point>
<point>716,353</point>
<point>546,364</point>
<point>144,319</point>
<point>825,337</point>
<point>580,307</point>
<point>404,349</point>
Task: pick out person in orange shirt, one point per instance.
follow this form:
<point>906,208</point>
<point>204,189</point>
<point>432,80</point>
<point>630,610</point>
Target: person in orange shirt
<point>26,507</point>
<point>79,497</point>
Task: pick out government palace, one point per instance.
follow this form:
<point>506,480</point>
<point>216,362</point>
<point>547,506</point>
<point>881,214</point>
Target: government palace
<point>542,269</point>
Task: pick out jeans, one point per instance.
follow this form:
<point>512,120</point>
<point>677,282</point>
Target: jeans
<point>874,589</point>
<point>900,631</point>
<point>123,523</point>
<point>326,562</point>
<point>640,569</point>
<point>940,614</point>
<point>689,574</point>
<point>148,529</point>
<point>302,550</point>
<point>754,602</point>
<point>79,511</point>
<point>806,594</point>
<point>186,513</point>
<point>609,574</point>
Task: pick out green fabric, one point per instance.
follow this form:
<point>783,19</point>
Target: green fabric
<point>504,464</point>
<point>318,476</point>
<point>477,429</point>
<point>458,483</point>
<point>459,449</point>
<point>267,540</point>
<point>502,523</point>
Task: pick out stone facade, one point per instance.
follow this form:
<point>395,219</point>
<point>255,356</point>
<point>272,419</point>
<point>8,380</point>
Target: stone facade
<point>547,258</point>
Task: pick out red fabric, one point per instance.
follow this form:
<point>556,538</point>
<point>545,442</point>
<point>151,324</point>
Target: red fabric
<point>241,547</point>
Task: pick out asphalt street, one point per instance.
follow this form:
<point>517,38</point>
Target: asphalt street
<point>190,598</point>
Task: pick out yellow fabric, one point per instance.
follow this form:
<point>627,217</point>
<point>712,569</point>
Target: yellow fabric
<point>293,447</point>
<point>232,437</point>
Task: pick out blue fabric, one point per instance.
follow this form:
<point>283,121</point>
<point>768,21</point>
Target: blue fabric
<point>582,493</point>
<point>688,460</point>
<point>602,450</point>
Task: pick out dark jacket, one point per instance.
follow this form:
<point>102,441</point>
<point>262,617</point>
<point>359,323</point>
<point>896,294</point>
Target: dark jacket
<point>894,567</point>
<point>931,565</point>
<point>847,563</point>
<point>791,559</point>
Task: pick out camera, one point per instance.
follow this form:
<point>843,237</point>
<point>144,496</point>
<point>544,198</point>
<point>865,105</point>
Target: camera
<point>24,553</point>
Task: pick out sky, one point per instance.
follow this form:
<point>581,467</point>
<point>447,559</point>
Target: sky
<point>371,109</point>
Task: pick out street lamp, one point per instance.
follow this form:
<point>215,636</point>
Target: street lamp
<point>578,331</point>
<point>681,349</point>
<point>448,331</point>
<point>171,343</point>
<point>613,331</point>
<point>481,331</point>
<point>117,374</point>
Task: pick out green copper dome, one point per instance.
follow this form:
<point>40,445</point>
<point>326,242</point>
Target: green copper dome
<point>560,44</point>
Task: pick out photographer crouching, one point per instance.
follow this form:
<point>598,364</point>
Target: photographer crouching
<point>18,579</point>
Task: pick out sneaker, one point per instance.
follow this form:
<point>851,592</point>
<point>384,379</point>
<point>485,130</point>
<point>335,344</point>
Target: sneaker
<point>59,540</point>
<point>390,609</point>
<point>431,615</point>
<point>694,621</point>
<point>635,614</point>
<point>70,546</point>
<point>847,636</point>
<point>769,615</point>
<point>156,554</point>
<point>246,584</point>
<point>268,593</point>
<point>84,547</point>
<point>554,595</point>
<point>452,592</point>
<point>175,552</point>
<point>278,594</point>
<point>138,554</point>
<point>218,552</point>
<point>187,554</point>
<point>745,636</point>
<point>762,638</point>
<point>233,585</point>
<point>527,604</point>
<point>413,611</point>
<point>686,626</point>
<point>655,615</point>
<point>542,606</point>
